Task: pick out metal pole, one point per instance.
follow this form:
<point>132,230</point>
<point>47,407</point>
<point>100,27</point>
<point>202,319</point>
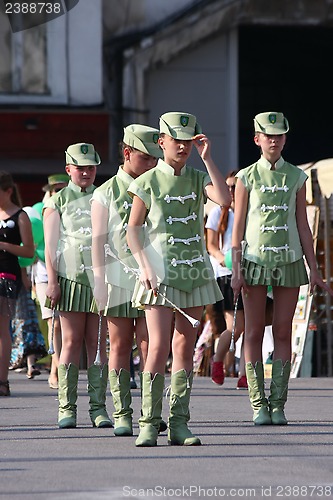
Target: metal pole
<point>327,241</point>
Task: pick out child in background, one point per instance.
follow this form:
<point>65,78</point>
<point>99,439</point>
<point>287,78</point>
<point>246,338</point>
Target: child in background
<point>114,284</point>
<point>218,235</point>
<point>67,228</point>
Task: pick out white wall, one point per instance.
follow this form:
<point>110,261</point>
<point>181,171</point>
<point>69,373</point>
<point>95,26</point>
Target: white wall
<point>121,16</point>
<point>201,82</point>
<point>74,58</point>
<point>84,23</point>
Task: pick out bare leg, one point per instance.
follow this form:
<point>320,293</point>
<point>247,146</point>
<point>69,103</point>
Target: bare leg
<point>53,378</point>
<point>91,338</point>
<point>72,334</point>
<point>32,370</point>
<point>241,370</point>
<point>225,337</point>
<point>285,300</point>
<point>121,332</point>
<point>5,348</point>
<point>159,321</point>
<point>184,339</point>
<point>141,333</point>
<point>254,309</point>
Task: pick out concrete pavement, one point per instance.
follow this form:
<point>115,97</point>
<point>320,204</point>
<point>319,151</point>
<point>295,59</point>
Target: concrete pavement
<point>238,460</point>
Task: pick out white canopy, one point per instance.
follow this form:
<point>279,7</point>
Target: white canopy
<point>324,172</point>
<point>324,175</point>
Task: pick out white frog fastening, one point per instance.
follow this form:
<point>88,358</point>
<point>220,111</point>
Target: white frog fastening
<point>85,268</point>
<point>131,270</point>
<point>189,262</point>
<point>186,241</point>
<point>274,249</point>
<point>274,188</point>
<point>274,208</point>
<point>83,248</point>
<point>125,225</point>
<point>170,220</point>
<point>85,230</point>
<point>79,211</point>
<point>264,228</point>
<point>127,205</point>
<point>182,199</point>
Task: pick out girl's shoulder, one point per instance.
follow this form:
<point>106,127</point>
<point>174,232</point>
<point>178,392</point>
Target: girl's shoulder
<point>195,172</point>
<point>147,178</point>
<point>246,170</point>
<point>107,185</point>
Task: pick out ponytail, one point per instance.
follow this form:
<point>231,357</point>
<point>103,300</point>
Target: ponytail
<point>7,182</point>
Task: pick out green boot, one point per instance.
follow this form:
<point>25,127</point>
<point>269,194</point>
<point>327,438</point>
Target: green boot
<point>163,425</point>
<point>178,433</point>
<point>122,399</point>
<point>279,391</point>
<point>68,377</point>
<point>256,384</point>
<point>97,384</point>
<point>152,396</point>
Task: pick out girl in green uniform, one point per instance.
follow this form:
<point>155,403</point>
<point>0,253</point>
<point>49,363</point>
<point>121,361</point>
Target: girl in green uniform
<point>270,216</point>
<point>67,228</point>
<point>114,283</point>
<point>170,251</point>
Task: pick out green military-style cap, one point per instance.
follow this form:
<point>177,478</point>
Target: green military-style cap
<point>82,154</point>
<point>178,125</point>
<point>271,123</point>
<point>144,139</point>
<point>55,179</point>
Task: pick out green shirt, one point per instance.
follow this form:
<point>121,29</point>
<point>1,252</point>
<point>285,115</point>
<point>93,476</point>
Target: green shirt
<point>74,246</point>
<point>113,196</point>
<point>174,233</point>
<point>271,232</point>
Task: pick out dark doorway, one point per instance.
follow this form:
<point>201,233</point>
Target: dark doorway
<point>287,69</point>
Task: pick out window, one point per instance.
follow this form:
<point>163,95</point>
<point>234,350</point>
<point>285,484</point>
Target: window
<point>33,63</point>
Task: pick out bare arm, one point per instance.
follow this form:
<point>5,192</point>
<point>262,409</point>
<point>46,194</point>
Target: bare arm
<point>241,203</point>
<point>213,246</point>
<point>135,242</point>
<point>51,237</point>
<point>99,220</point>
<point>218,190</point>
<point>307,242</point>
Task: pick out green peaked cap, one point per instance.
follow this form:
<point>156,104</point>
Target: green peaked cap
<point>271,123</point>
<point>179,125</point>
<point>55,179</point>
<point>143,138</point>
<point>82,154</point>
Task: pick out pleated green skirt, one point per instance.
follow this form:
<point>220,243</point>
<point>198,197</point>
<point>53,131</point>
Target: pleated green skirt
<point>200,296</point>
<point>75,297</point>
<point>290,275</point>
<point>119,304</point>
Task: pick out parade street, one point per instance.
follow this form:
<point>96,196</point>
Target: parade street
<point>237,459</point>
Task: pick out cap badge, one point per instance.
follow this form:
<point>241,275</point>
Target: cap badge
<point>184,120</point>
<point>155,138</point>
<point>84,149</point>
<point>272,119</point>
